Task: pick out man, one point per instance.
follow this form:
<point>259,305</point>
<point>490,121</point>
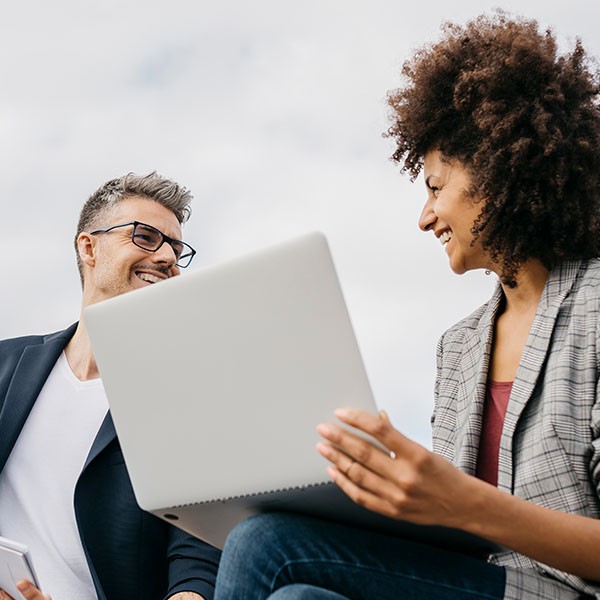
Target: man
<point>64,489</point>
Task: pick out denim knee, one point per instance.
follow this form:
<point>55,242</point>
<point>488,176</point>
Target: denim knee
<point>257,533</point>
<point>254,543</point>
<point>299,591</point>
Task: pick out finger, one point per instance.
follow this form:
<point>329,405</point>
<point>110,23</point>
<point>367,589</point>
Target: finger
<point>379,427</point>
<point>358,448</point>
<point>340,460</point>
<point>358,474</point>
<point>30,592</point>
<point>364,497</point>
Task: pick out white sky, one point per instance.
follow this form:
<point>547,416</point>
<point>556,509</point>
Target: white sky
<point>271,112</point>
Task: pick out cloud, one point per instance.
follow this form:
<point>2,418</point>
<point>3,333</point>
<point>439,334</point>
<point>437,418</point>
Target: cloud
<point>271,113</point>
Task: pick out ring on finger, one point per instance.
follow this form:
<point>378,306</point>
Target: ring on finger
<point>353,463</point>
<point>348,465</point>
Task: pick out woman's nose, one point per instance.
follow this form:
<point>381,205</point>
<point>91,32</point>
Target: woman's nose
<point>428,216</point>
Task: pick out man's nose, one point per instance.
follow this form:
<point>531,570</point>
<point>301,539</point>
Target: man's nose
<point>165,254</point>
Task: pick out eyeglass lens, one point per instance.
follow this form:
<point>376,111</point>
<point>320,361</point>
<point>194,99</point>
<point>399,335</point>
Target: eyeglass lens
<point>151,239</point>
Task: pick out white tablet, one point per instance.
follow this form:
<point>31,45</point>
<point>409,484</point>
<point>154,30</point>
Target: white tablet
<point>15,564</point>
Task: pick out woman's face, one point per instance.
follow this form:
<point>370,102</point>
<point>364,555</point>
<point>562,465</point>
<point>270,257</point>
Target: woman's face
<point>450,212</point>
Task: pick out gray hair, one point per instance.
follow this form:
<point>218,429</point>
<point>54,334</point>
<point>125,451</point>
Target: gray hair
<point>152,186</point>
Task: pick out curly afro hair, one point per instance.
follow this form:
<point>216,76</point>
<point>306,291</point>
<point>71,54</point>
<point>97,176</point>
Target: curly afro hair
<point>496,95</point>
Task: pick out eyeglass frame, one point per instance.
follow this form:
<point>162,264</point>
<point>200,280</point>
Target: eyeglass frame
<point>165,238</point>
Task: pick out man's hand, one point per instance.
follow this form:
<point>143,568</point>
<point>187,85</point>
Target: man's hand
<point>29,591</point>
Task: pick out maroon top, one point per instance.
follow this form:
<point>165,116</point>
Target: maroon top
<point>494,412</point>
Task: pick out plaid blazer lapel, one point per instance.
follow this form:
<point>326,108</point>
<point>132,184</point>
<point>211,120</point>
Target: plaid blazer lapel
<point>474,368</point>
<point>560,281</point>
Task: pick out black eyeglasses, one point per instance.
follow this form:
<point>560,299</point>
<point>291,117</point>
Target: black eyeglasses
<point>151,239</point>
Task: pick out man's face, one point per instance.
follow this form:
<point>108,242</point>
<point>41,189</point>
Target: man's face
<point>116,265</point>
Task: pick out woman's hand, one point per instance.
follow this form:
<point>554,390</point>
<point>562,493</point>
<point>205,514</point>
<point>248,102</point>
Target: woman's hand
<point>405,482</point>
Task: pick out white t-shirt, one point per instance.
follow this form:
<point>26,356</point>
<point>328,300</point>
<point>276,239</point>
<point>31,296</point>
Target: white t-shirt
<point>38,482</point>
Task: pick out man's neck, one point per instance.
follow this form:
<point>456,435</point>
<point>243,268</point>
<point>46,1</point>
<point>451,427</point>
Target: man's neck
<point>80,356</point>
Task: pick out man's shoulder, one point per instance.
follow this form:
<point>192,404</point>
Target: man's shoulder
<point>13,350</point>
<point>18,344</point>
<point>23,340</point>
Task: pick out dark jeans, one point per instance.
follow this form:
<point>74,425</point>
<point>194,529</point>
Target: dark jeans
<point>288,557</point>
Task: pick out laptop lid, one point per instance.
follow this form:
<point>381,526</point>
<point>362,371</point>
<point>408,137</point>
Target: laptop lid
<point>217,379</point>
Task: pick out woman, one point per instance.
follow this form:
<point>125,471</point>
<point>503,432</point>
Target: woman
<point>507,134</point>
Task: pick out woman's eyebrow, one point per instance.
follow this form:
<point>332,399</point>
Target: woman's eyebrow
<point>428,180</point>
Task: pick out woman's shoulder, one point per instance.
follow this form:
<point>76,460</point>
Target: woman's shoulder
<point>590,274</point>
<point>582,281</point>
<point>585,289</point>
<point>480,317</point>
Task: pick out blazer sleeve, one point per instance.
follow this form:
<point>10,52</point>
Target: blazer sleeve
<point>192,564</point>
<point>595,426</point>
<point>438,374</point>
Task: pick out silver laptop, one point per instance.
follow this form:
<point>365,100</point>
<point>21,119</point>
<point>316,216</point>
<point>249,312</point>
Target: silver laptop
<point>217,379</point>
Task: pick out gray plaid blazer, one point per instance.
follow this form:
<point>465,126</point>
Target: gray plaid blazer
<point>550,446</point>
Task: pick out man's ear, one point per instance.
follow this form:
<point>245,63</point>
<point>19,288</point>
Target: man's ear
<point>87,249</point>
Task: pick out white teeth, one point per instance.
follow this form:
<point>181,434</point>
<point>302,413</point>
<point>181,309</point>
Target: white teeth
<point>445,238</point>
<point>148,277</point>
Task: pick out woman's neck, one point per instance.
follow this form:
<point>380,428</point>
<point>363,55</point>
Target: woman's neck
<point>514,319</point>
<point>525,296</point>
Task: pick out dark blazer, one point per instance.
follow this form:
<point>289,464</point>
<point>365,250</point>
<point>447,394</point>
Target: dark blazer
<point>550,445</point>
<point>131,553</point>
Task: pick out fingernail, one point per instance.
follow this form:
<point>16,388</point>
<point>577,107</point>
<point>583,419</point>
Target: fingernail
<point>384,415</point>
<point>323,449</point>
<point>322,429</point>
<point>341,413</point>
